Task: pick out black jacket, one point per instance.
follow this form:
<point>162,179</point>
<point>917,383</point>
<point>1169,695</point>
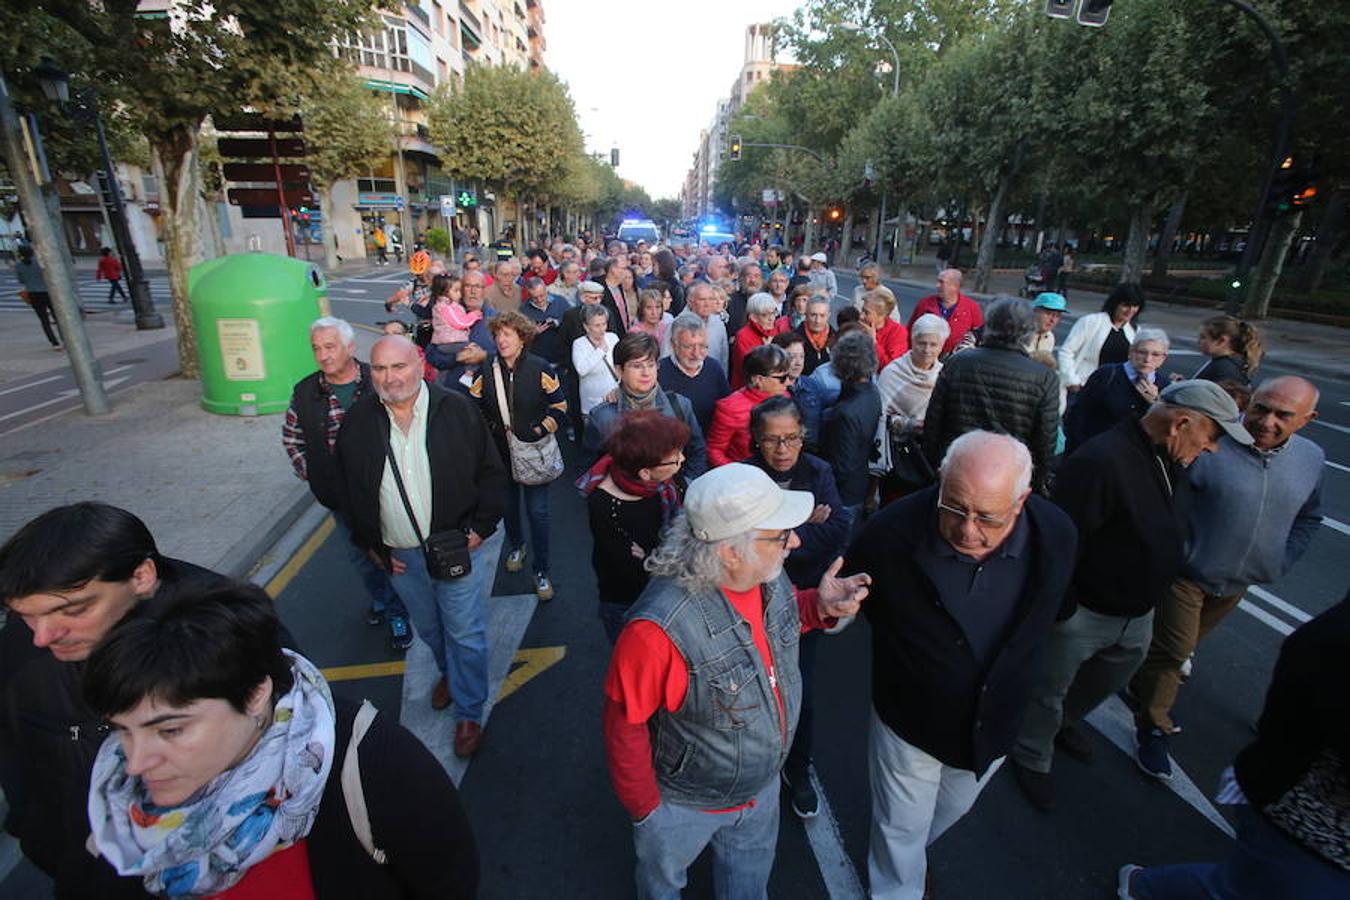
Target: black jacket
<point>1225,368</point>
<point>310,402</point>
<point>814,358</point>
<point>468,481</point>
<point>1107,397</point>
<point>995,389</point>
<point>48,741</point>
<point>618,316</point>
<point>927,685</point>
<point>736,302</point>
<point>822,542</point>
<point>1128,502</point>
<point>848,442</point>
<point>533,396</point>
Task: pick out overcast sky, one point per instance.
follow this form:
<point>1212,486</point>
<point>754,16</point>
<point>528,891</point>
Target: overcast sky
<point>683,57</point>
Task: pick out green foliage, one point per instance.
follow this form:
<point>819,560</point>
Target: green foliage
<point>347,130</point>
<point>438,241</point>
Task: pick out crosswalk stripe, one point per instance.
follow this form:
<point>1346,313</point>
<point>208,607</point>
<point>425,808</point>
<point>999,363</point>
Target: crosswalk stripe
<point>1288,609</point>
<point>827,844</point>
<point>1252,609</point>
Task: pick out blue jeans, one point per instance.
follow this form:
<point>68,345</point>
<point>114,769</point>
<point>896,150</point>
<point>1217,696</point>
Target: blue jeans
<point>1265,862</point>
<point>536,509</point>
<point>743,842</point>
<point>450,616</point>
<point>382,597</point>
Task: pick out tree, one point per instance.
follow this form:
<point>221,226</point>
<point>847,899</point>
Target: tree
<point>347,131</point>
<point>175,69</point>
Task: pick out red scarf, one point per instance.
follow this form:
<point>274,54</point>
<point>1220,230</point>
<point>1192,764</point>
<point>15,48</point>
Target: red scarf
<point>818,343</point>
<point>631,484</point>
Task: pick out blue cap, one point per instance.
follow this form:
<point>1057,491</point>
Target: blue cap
<point>1050,300</point>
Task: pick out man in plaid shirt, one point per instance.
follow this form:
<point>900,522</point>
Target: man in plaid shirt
<point>318,404</point>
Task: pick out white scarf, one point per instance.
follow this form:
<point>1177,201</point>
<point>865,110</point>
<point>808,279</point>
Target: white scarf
<point>905,389</point>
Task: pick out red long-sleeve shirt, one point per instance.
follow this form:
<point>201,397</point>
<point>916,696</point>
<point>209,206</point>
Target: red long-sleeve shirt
<point>647,673</point>
<point>109,269</point>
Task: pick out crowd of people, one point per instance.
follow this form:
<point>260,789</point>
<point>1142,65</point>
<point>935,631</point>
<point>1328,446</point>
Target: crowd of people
<point>1027,529</point>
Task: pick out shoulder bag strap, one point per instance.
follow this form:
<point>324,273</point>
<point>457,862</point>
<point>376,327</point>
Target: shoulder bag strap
<point>353,791</point>
<point>502,405</point>
<point>402,491</point>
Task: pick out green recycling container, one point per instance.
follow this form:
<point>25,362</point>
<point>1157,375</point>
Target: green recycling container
<point>252,312</point>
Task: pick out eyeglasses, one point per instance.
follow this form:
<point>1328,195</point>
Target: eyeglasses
<point>787,440</point>
<point>781,539</point>
<point>780,377</point>
<point>677,461</point>
<point>981,521</point>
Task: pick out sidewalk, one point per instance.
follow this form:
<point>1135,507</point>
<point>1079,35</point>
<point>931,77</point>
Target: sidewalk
<point>1320,351</point>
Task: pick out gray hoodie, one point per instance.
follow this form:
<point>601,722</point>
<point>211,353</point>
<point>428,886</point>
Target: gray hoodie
<point>1253,513</point>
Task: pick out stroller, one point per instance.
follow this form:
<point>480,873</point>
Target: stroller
<point>1033,281</point>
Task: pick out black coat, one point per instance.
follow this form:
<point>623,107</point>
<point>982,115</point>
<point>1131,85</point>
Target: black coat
<point>927,685</point>
<point>310,403</point>
<point>1128,502</point>
<point>848,441</point>
<point>736,303</point>
<point>995,389</point>
<point>1225,368</point>
<point>813,358</point>
<point>1107,397</point>
<point>617,319</point>
<point>468,481</point>
<point>822,542</point>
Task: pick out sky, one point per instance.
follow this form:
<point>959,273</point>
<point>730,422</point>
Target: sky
<point>669,66</point>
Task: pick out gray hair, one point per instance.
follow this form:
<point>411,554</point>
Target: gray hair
<point>818,297</point>
<point>694,564</point>
<point>503,265</point>
<point>688,270</point>
<point>567,264</point>
<point>854,357</point>
<point>928,323</point>
<point>593,311</point>
<point>344,329</point>
<point>1008,322</point>
<point>760,303</point>
<point>982,445</point>
<point>686,323</point>
<point>1148,335</point>
<point>869,269</point>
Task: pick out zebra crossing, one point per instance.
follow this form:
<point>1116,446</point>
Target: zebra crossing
<point>93,294</point>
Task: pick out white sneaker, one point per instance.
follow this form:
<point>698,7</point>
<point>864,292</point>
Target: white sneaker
<point>515,560</point>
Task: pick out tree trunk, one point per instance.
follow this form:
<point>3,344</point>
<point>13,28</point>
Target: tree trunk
<point>1169,233</point>
<point>1040,224</point>
<point>1136,244</point>
<point>1328,233</point>
<point>174,160</point>
<point>811,230</point>
<point>1267,274</point>
<point>984,262</point>
<point>330,250</point>
<point>213,224</point>
<point>846,239</point>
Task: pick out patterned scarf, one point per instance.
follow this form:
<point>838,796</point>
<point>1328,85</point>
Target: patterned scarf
<point>241,817</point>
<point>631,484</point>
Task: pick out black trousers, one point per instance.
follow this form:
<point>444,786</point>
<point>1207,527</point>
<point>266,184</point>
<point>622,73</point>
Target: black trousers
<point>42,305</point>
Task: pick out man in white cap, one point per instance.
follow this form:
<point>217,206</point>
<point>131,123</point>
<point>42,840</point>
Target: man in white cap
<point>704,690</point>
<point>821,275</point>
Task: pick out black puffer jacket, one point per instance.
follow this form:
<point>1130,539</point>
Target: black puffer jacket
<point>995,389</point>
<point>849,440</point>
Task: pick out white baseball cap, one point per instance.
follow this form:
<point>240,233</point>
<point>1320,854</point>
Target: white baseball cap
<point>819,257</point>
<point>737,498</point>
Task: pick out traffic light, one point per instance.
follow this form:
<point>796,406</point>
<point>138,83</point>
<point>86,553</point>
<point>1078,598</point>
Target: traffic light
<point>1059,9</point>
<point>1094,13</point>
<point>734,148</point>
<point>1293,187</point>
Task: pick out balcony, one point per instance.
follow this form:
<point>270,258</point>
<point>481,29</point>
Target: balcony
<point>417,12</point>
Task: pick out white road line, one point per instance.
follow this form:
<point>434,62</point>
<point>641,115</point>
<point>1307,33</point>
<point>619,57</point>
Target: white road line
<point>1336,525</point>
<point>24,387</point>
<point>1338,467</point>
<point>1288,609</point>
<point>1252,609</point>
<point>827,844</point>
<point>1333,426</point>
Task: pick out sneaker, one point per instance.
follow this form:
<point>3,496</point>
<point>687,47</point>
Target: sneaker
<point>1151,753</point>
<point>515,560</point>
<point>400,635</point>
<point>802,794</point>
<point>543,588</point>
<point>1039,787</point>
<point>1075,742</point>
<point>1123,882</point>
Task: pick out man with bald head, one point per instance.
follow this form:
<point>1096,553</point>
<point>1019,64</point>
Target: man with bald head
<point>968,578</point>
<point>959,311</point>
<point>1253,512</point>
<point>418,465</point>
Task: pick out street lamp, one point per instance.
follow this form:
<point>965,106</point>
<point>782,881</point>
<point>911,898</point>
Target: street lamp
<point>895,92</point>
<point>55,83</point>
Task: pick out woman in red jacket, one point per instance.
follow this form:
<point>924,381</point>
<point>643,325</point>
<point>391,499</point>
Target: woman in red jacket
<point>766,375</point>
<point>761,324</point>
<point>892,338</point>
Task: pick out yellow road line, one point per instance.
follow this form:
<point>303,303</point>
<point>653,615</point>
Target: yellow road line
<point>365,670</point>
<point>366,327</point>
<point>533,661</point>
<point>302,556</point>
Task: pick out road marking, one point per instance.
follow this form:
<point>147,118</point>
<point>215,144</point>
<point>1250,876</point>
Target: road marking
<point>364,670</point>
<point>1336,525</point>
<point>1115,721</point>
<point>302,556</point>
<point>827,844</point>
<point>59,412</point>
<point>1278,624</point>
<point>24,387</point>
<point>1338,467</point>
<point>1288,609</point>
<point>533,660</point>
<point>1333,426</point>
<point>61,397</point>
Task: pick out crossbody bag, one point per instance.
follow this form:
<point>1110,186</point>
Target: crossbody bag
<point>446,552</point>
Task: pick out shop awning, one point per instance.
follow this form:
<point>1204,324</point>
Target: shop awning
<point>393,87</point>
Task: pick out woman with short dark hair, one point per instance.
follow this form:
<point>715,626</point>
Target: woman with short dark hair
<point>1100,338</point>
<point>848,441</point>
<point>225,776</point>
<point>766,375</point>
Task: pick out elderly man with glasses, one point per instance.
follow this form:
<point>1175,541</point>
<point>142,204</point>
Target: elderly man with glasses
<point>969,578</point>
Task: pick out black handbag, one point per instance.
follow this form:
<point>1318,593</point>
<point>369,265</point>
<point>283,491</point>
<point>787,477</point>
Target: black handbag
<point>446,552</point>
<point>910,469</point>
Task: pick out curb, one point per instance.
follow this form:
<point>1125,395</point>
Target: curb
<point>245,556</point>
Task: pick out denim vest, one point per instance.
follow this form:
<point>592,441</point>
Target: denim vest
<point>727,740</point>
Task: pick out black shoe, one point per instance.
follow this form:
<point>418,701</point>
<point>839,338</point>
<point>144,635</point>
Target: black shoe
<point>1039,787</point>
<point>400,635</point>
<point>1151,753</point>
<point>802,794</point>
<point>375,617</point>
<point>1075,742</point>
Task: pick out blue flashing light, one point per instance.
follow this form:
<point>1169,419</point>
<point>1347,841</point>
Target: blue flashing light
<point>708,229</point>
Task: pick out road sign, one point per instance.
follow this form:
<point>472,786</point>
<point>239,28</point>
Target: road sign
<point>448,206</point>
<point>268,197</point>
<point>260,148</point>
<point>290,173</point>
<point>256,122</point>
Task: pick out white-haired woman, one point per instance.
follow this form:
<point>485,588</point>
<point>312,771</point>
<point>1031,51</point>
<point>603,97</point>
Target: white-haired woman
<point>762,322</point>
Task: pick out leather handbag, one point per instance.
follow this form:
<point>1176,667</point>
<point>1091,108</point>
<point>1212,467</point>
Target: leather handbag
<point>446,552</point>
<point>532,462</point>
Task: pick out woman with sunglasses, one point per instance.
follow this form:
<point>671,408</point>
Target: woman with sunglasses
<point>766,375</point>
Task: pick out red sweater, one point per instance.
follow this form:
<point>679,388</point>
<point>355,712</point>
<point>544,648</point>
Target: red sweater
<point>729,434</point>
<point>109,269</point>
<point>892,342</point>
<point>284,875</point>
<point>647,673</point>
<point>964,316</point>
<point>748,338</point>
